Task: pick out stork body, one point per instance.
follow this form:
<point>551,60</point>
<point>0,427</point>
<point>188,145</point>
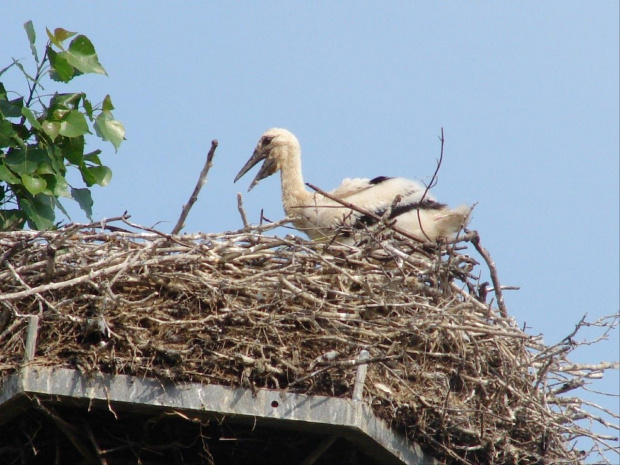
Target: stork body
<point>321,217</point>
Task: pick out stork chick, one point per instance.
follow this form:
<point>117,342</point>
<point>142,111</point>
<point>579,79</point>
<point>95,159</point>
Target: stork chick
<point>321,218</point>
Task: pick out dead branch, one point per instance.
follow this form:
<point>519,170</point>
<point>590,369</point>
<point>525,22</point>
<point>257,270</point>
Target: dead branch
<point>244,217</point>
<point>497,288</point>
<point>433,180</point>
<point>201,181</point>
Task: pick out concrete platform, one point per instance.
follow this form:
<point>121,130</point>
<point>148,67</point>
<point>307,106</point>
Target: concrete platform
<point>327,417</point>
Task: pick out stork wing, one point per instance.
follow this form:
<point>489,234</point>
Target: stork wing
<point>379,194</point>
<point>350,187</point>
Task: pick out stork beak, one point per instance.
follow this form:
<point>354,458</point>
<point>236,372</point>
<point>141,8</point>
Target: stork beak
<point>268,168</point>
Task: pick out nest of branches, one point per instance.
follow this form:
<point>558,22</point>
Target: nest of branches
<point>445,367</point>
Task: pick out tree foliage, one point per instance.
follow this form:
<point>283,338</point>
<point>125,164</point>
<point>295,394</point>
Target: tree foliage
<point>42,135</point>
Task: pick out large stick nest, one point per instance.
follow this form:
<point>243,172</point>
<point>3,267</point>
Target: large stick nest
<point>246,309</point>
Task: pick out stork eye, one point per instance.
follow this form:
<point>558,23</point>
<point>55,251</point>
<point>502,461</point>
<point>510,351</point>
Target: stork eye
<point>266,141</point>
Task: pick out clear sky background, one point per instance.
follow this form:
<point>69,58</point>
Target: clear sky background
<point>527,94</point>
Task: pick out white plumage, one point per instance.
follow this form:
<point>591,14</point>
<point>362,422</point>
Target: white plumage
<point>321,218</point>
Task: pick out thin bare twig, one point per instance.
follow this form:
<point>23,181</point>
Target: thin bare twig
<point>244,217</point>
<point>71,432</point>
<point>201,181</point>
<point>432,182</point>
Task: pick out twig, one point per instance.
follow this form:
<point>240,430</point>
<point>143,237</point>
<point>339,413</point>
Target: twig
<point>360,361</point>
<point>319,450</point>
<point>19,279</point>
<point>244,217</point>
<point>31,338</point>
<point>201,181</point>
<point>35,82</point>
<point>95,224</point>
<point>497,287</point>
<point>360,376</point>
<point>71,432</point>
<point>59,285</point>
<point>18,246</point>
<point>432,183</point>
<point>93,442</point>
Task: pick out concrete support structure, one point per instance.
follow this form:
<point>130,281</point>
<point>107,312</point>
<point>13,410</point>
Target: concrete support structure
<point>349,419</point>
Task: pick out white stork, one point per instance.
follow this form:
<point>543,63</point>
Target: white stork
<point>321,218</point>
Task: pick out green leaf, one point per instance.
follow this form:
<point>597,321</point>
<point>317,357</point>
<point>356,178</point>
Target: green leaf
<point>39,211</point>
<point>6,131</point>
<point>25,161</point>
<point>60,113</point>
<point>110,129</point>
<point>88,107</point>
<point>45,168</point>
<point>32,37</point>
<point>60,69</point>
<point>17,136</point>
<point>4,70</point>
<point>51,128</point>
<point>74,125</point>
<point>11,220</point>
<point>59,205</point>
<point>53,38</point>
<point>59,36</point>
<point>62,34</point>
<point>107,104</point>
<point>56,156</point>
<point>11,108</point>
<point>35,185</point>
<point>82,56</point>
<point>58,186</point>
<point>87,176</point>
<point>101,174</point>
<point>93,157</point>
<point>27,112</point>
<point>66,101</point>
<point>85,200</point>
<point>72,149</point>
<point>6,175</point>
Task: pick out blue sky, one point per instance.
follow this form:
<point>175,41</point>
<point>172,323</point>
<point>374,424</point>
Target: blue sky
<point>527,94</point>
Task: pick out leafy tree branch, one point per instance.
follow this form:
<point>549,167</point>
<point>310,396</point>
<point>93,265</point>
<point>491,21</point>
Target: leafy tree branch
<point>43,135</point>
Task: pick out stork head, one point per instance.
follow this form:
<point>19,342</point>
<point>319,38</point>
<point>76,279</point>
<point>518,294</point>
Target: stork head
<point>274,146</point>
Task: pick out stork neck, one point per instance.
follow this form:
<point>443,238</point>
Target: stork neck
<point>294,193</point>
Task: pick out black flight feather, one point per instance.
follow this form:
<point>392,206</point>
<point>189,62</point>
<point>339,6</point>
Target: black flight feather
<point>426,204</point>
<point>379,179</point>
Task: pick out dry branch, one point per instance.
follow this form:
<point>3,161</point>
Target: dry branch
<point>201,181</point>
<point>433,180</point>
